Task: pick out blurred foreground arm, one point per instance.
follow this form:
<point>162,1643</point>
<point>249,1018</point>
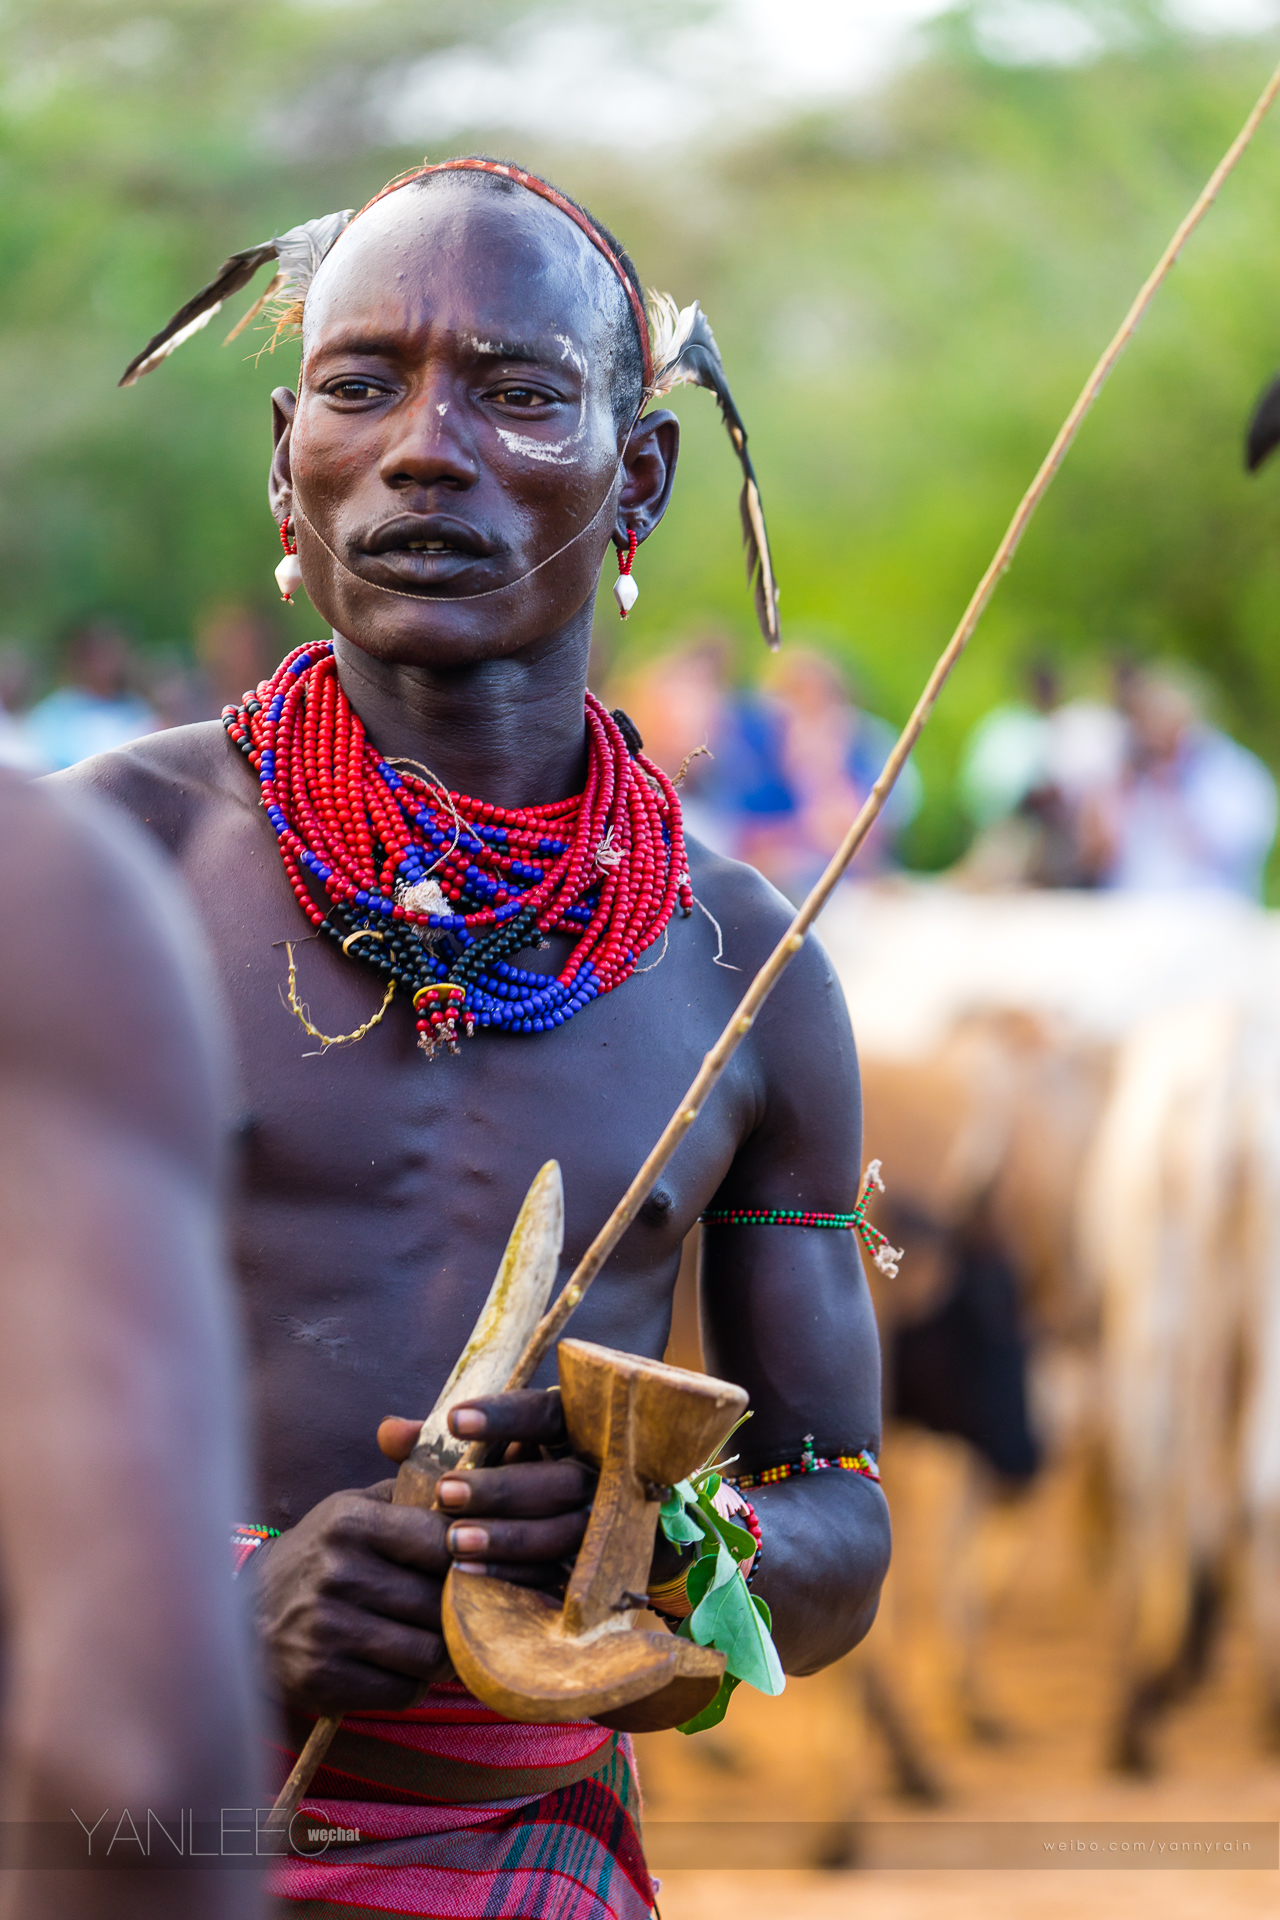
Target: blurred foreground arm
<point>127,1673</point>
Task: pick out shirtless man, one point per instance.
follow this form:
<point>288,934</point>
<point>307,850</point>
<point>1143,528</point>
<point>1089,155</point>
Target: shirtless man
<point>465,423</point>
<point>128,1674</point>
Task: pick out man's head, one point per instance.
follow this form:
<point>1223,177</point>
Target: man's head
<point>462,448</point>
<point>96,657</point>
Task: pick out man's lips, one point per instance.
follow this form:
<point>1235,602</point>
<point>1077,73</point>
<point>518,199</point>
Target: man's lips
<point>425,550</point>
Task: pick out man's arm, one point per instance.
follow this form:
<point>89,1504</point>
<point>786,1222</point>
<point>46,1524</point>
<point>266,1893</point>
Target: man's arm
<point>128,1673</point>
<point>787,1314</point>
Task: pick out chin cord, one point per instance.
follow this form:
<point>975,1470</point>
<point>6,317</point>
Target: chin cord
<point>485,593</point>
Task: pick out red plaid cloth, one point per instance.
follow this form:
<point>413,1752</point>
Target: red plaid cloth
<point>463,1815</point>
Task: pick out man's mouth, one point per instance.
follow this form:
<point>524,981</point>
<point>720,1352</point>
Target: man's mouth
<point>425,550</point>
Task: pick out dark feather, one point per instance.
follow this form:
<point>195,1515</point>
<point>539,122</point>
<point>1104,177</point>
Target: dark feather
<point>233,274</point>
<point>298,253</point>
<point>1264,429</point>
<point>696,360</point>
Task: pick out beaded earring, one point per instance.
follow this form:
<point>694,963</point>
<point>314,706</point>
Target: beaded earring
<point>289,571</point>
<point>625,590</point>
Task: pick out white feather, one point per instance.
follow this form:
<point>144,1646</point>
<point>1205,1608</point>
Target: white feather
<point>669,330</point>
<point>175,340</point>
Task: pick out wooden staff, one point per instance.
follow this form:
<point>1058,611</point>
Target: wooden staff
<point>550,1327</point>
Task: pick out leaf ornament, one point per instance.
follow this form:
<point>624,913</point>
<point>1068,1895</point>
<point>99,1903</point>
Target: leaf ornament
<point>685,353</point>
<point>296,253</point>
<point>725,1613</point>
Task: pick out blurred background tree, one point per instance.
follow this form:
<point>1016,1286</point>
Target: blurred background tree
<point>909,280</point>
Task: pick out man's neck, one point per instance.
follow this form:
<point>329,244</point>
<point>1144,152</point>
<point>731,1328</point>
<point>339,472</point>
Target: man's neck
<point>510,731</point>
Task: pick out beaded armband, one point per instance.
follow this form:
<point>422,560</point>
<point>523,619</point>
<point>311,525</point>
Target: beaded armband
<point>245,1542</point>
<point>884,1256</point>
<point>811,1462</point>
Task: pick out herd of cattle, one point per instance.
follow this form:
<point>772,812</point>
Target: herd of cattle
<point>1076,1098</point>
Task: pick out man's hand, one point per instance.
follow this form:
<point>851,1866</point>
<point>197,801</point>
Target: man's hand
<point>348,1603</point>
<point>349,1599</point>
<point>524,1519</point>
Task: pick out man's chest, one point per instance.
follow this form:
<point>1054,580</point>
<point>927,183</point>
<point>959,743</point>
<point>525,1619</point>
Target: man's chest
<point>357,1145</point>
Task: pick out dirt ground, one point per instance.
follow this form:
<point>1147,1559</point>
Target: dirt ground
<point>799,1787</point>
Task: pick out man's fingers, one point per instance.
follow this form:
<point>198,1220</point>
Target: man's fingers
<point>529,1490</point>
<point>518,1540</point>
<point>398,1437</point>
<point>408,1535</point>
<point>395,1593</point>
<point>390,1645</point>
<point>527,1414</point>
<point>548,1579</point>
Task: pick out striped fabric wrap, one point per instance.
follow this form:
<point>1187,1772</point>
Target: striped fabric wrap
<point>462,1814</point>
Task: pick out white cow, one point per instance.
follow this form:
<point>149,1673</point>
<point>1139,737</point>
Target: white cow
<point>1175,1241</point>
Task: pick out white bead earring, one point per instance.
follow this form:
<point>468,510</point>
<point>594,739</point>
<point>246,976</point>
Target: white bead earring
<point>289,572</point>
<point>625,590</point>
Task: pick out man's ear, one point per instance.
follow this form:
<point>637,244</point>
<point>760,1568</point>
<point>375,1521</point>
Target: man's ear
<point>284,404</point>
<point>649,464</point>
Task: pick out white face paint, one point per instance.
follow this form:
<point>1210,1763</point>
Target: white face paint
<point>555,453</point>
<point>442,407</point>
<point>550,452</point>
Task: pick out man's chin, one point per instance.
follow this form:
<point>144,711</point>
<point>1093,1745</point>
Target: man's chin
<point>437,633</point>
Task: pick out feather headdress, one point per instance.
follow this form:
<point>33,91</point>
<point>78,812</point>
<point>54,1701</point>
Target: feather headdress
<point>677,344</point>
<point>685,353</point>
<point>296,253</point>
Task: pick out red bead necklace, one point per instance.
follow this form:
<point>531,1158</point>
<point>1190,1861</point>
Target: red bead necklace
<point>435,889</point>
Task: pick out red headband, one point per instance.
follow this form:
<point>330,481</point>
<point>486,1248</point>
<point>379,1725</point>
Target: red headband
<point>544,191</point>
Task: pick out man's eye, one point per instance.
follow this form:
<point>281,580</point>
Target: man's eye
<point>353,390</point>
<point>521,397</point>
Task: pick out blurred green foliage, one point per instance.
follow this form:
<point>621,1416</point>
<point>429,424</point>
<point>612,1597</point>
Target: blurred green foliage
<point>908,291</point>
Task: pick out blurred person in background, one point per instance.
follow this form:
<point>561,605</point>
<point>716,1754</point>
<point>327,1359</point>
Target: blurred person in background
<point>96,708</point>
<point>235,648</point>
<point>829,754</point>
<point>784,771</point>
<point>1190,807</point>
<point>1028,777</point>
<point>721,743</point>
<point>16,750</point>
<point>128,1678</point>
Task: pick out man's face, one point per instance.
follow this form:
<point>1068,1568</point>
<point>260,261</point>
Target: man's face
<point>455,427</point>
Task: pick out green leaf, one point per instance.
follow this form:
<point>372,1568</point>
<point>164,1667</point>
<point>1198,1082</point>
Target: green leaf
<point>681,1518</point>
<point>680,1526</point>
<point>737,1539</point>
<point>726,1619</point>
<point>714,1712</point>
<point>700,1576</point>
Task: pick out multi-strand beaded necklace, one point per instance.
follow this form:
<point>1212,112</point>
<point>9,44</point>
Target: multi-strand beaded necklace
<point>434,889</point>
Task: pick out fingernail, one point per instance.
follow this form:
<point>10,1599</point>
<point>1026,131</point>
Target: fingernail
<point>453,1493</point>
<point>468,1539</point>
<point>470,1566</point>
<point>469,1423</point>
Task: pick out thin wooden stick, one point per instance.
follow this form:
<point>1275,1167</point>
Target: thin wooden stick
<point>550,1327</point>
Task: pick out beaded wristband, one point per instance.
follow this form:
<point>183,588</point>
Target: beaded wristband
<point>810,1462</point>
<point>245,1541</point>
<point>884,1256</point>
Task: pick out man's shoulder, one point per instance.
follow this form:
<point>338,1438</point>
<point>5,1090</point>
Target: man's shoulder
<point>739,896</point>
<point>166,780</point>
<point>751,917</point>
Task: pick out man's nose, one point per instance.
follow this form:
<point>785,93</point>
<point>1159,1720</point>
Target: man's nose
<point>429,444</point>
